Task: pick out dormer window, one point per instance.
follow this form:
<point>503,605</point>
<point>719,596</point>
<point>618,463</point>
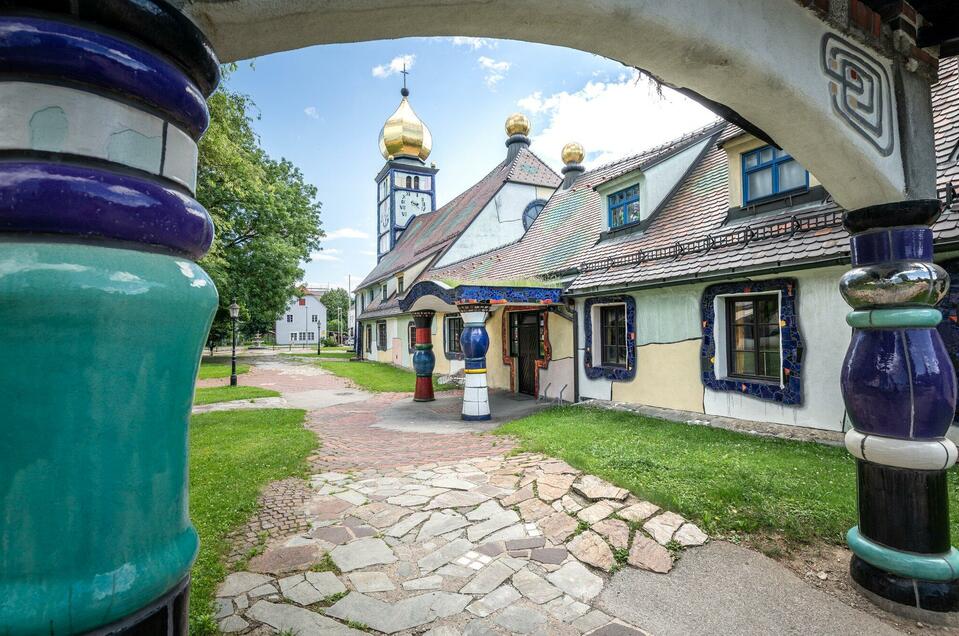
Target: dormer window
<point>384,293</point>
<point>399,284</point>
<point>768,172</point>
<point>624,207</point>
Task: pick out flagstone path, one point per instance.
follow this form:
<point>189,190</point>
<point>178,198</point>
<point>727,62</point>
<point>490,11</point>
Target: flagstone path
<point>408,532</point>
<point>487,545</point>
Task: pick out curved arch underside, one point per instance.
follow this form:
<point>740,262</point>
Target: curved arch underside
<point>822,96</point>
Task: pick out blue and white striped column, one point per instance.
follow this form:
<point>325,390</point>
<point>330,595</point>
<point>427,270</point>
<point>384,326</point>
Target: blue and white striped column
<point>474,342</point>
<point>900,393</point>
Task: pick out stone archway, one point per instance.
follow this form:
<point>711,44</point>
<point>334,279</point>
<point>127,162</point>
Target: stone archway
<point>776,63</point>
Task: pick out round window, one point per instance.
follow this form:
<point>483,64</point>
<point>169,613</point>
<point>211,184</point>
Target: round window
<point>532,211</point>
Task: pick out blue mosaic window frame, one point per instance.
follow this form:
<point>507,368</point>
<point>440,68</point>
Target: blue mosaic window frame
<point>792,343</point>
<point>618,373</point>
<point>949,307</point>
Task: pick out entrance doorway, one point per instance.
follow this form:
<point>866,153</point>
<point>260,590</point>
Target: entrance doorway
<point>528,351</point>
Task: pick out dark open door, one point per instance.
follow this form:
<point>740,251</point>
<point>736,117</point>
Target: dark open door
<point>528,352</point>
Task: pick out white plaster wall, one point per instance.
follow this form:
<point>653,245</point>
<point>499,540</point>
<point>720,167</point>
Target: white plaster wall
<point>668,315</point>
<point>662,178</point>
<point>826,336</point>
<point>499,223</point>
<point>556,380</point>
<point>302,321</point>
<point>599,389</point>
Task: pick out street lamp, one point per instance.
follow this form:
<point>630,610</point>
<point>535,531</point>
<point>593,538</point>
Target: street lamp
<point>234,314</point>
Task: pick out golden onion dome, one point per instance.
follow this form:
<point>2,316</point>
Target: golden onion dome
<point>404,134</point>
<point>573,153</point>
<point>517,124</point>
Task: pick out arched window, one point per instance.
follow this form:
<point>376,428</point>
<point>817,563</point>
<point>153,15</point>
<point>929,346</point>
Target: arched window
<point>532,211</point>
<point>416,183</point>
<point>409,181</point>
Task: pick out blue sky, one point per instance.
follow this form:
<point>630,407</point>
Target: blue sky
<point>323,108</point>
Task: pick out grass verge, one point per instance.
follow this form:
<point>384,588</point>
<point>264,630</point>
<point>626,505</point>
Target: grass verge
<point>378,377</point>
<point>214,394</point>
<point>209,370</point>
<point>731,484</point>
<point>233,455</point>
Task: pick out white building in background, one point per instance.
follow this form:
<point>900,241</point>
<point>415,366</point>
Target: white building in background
<point>304,319</point>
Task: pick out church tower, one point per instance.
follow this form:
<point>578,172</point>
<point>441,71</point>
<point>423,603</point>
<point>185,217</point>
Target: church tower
<point>405,186</point>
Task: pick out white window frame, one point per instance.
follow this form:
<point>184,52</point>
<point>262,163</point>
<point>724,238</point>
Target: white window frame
<point>596,328</point>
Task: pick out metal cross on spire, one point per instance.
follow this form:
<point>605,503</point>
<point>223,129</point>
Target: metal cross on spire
<point>405,90</point>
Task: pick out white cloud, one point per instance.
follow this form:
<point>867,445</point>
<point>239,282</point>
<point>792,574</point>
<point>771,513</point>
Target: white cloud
<point>323,256</point>
<point>367,252</point>
<point>312,112</point>
<point>495,71</point>
<point>474,44</point>
<point>394,66</point>
<point>346,233</point>
<point>612,119</point>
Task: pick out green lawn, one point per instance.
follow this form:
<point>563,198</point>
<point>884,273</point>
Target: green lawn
<point>210,370</point>
<point>377,376</point>
<point>233,454</point>
<point>729,483</point>
<point>213,394</point>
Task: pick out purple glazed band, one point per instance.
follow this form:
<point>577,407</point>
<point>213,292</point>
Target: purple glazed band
<point>61,53</point>
<point>84,201</point>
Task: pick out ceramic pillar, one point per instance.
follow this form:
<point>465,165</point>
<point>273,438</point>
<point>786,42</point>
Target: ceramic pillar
<point>423,359</point>
<point>474,342</point>
<point>900,393</point>
<point>103,312</point>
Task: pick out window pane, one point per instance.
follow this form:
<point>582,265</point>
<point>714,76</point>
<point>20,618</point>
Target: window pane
<point>766,154</point>
<point>633,212</point>
<point>743,339</point>
<point>791,176</point>
<point>617,218</point>
<point>743,312</point>
<point>772,364</point>
<point>744,362</point>
<point>768,311</point>
<point>752,160</point>
<point>760,183</point>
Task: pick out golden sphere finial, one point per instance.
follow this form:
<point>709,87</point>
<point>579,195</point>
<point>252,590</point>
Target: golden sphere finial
<point>517,124</point>
<point>573,153</point>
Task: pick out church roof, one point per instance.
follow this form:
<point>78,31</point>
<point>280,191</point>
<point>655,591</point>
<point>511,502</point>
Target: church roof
<point>429,234</point>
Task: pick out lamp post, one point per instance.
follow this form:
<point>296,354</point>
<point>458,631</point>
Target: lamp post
<point>234,313</point>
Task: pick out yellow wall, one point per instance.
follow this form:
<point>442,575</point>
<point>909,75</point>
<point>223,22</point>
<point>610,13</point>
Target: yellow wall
<point>560,336</point>
<point>667,375</point>
<point>497,373</point>
<point>735,148</point>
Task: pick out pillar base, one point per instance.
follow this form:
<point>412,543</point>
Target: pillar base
<point>167,616</point>
<point>926,601</point>
<point>476,418</point>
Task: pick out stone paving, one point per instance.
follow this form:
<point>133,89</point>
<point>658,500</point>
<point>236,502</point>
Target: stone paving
<point>490,545</point>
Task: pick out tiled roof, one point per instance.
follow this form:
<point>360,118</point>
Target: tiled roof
<point>568,226</point>
<point>430,233</point>
<point>690,237</point>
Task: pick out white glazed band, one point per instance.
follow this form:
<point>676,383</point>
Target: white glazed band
<point>936,454</point>
<point>43,117</point>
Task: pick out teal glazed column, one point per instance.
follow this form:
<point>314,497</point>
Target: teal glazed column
<point>103,312</point>
<point>900,393</point>
<point>474,341</point>
<point>423,358</point>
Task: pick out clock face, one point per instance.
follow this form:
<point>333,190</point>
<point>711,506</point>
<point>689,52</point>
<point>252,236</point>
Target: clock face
<point>384,215</point>
<point>409,204</point>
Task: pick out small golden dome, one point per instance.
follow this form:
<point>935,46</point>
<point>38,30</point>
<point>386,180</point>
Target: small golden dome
<point>573,153</point>
<point>405,135</point>
<point>517,124</point>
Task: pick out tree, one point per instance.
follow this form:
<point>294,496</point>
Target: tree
<point>266,216</point>
<point>337,303</point>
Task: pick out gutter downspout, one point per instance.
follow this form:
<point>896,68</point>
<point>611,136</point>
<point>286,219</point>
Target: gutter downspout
<point>575,313</point>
